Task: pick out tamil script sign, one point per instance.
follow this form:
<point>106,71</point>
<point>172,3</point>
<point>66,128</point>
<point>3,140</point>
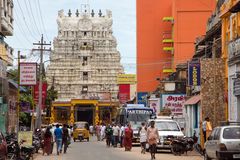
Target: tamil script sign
<point>175,102</point>
<point>44,93</point>
<point>126,79</point>
<point>236,87</point>
<point>124,93</point>
<point>194,74</point>
<point>28,74</point>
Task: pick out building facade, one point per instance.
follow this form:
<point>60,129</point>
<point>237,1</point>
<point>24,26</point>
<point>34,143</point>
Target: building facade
<point>6,17</point>
<point>85,62</point>
<point>166,32</point>
<point>230,46</point>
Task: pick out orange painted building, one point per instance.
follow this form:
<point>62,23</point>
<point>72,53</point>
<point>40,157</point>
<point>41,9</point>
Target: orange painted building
<point>166,32</point>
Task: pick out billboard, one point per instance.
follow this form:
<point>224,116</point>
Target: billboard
<point>194,74</point>
<point>126,79</point>
<point>142,98</point>
<point>154,103</point>
<point>175,102</point>
<point>44,93</point>
<point>28,74</point>
<point>124,93</point>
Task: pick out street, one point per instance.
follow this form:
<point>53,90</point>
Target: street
<point>94,150</point>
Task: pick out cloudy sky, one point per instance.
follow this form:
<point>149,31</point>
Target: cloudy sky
<point>33,17</point>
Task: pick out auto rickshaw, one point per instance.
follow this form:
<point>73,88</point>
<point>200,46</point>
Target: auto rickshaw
<point>81,131</point>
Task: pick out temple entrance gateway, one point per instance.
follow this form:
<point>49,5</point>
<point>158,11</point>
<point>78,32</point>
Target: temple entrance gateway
<point>84,113</point>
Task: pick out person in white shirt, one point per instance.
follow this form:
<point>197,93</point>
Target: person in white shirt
<point>116,130</point>
<point>91,129</point>
<point>121,135</point>
<point>103,132</point>
<point>143,137</point>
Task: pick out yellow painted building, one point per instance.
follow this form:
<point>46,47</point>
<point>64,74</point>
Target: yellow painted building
<point>230,17</point>
<point>92,111</point>
<point>6,52</point>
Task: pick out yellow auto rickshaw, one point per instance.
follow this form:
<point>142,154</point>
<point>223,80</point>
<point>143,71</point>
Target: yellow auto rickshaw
<point>81,131</point>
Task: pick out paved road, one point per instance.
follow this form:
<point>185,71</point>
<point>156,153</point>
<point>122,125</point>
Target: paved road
<point>97,151</point>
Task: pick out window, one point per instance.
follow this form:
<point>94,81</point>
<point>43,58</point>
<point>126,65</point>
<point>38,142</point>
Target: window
<point>216,135</point>
<point>231,133</point>
<point>85,59</point>
<point>85,76</point>
<point>85,33</point>
<point>85,43</point>
<point>84,89</point>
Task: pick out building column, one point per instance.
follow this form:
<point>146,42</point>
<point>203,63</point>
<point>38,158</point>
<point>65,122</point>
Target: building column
<point>72,119</point>
<point>96,114</point>
<point>52,118</point>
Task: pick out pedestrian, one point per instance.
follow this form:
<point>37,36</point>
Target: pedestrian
<point>128,135</point>
<point>204,128</point>
<point>208,128</point>
<point>47,142</point>
<point>53,138</point>
<point>121,135</point>
<point>65,138</point>
<point>143,137</point>
<point>103,132</point>
<point>116,131</point>
<point>91,129</point>
<point>98,131</point>
<point>58,138</point>
<point>109,133</point>
<point>152,138</point>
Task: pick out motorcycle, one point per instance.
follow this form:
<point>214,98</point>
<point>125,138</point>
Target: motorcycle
<point>36,143</point>
<point>180,146</point>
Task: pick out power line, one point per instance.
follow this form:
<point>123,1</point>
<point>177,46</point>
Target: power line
<point>41,18</point>
<point>30,13</point>
<point>24,19</point>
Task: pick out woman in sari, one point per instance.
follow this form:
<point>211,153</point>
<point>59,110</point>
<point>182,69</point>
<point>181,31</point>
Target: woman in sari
<point>128,138</point>
<point>47,146</point>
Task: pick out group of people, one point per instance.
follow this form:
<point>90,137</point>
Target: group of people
<point>123,135</point>
<point>60,136</point>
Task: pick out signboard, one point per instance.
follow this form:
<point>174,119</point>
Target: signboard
<point>126,79</point>
<point>194,75</point>
<point>236,87</point>
<point>28,74</point>
<point>175,102</point>
<point>25,136</point>
<point>142,98</point>
<point>124,93</point>
<point>44,93</point>
<point>169,86</point>
<point>154,103</point>
<point>234,48</point>
<point>139,111</point>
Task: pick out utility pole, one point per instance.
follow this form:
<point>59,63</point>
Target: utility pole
<point>41,49</point>
<point>18,93</point>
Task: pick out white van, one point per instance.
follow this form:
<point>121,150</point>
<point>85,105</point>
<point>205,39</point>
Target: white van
<point>167,128</point>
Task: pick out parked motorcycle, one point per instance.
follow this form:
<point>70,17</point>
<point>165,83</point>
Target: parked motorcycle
<point>36,143</point>
<point>180,146</point>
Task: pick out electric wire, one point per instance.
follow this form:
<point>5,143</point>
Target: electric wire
<point>24,20</point>
<point>41,19</point>
<point>32,18</point>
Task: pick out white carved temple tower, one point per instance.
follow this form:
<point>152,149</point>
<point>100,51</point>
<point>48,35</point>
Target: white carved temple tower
<point>85,61</point>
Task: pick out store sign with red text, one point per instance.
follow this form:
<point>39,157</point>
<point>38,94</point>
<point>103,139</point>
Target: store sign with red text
<point>175,102</point>
<point>28,74</point>
<point>44,93</point>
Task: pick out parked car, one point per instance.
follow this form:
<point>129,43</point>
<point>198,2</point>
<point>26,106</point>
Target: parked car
<point>3,146</point>
<point>167,128</point>
<point>223,143</point>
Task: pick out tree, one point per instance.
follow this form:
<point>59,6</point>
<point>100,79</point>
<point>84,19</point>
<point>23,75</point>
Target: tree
<point>51,96</point>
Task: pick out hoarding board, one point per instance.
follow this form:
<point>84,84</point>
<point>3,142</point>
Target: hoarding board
<point>124,93</point>
<point>25,136</point>
<point>126,79</point>
<point>142,98</point>
<point>154,103</point>
<point>175,102</point>
<point>194,74</point>
<point>28,74</point>
<point>44,93</point>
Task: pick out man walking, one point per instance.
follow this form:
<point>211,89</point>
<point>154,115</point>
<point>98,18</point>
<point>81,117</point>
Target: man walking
<point>115,134</point>
<point>152,138</point>
<point>109,133</point>
<point>65,138</point>
<point>58,138</point>
<point>204,128</point>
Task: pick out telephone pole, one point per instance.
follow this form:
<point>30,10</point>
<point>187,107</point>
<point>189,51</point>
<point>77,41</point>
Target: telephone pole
<point>41,49</point>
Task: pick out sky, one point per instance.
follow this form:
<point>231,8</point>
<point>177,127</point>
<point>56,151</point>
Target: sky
<point>35,17</point>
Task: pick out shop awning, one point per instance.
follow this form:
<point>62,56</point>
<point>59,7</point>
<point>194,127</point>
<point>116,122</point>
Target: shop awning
<point>193,100</point>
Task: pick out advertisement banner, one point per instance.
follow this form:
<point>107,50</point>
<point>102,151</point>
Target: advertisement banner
<point>175,102</point>
<point>154,103</point>
<point>126,79</point>
<point>28,74</point>
<point>124,93</point>
<point>142,98</point>
<point>26,137</point>
<point>44,93</point>
<point>194,74</point>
